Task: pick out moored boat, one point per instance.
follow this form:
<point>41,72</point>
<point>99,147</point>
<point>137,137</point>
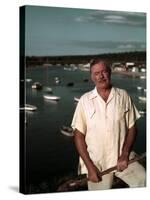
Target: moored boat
<point>139,88</point>
<point>142,112</point>
<point>37,85</point>
<point>28,80</point>
<point>80,182</point>
<point>68,131</point>
<point>142,98</point>
<point>70,84</point>
<point>142,77</point>
<point>29,107</point>
<point>76,99</point>
<point>57,80</point>
<point>51,97</point>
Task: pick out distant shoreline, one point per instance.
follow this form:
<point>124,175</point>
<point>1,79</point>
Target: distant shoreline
<point>129,73</point>
<point>138,57</point>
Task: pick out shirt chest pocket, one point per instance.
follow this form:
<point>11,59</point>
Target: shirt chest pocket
<point>91,118</point>
<point>121,113</point>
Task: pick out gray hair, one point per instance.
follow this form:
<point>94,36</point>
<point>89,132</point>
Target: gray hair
<point>98,60</point>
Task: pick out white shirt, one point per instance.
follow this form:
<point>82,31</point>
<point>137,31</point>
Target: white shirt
<point>105,125</point>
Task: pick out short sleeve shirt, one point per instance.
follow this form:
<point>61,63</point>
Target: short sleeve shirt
<point>104,124</point>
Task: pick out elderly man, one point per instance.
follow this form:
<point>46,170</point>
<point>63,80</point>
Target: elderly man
<point>104,126</point>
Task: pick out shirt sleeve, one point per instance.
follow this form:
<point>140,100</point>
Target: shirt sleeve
<point>79,119</point>
<point>132,115</point>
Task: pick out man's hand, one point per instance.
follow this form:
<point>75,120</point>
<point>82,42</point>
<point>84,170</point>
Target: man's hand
<point>122,163</point>
<point>94,174</point>
<point>123,160</point>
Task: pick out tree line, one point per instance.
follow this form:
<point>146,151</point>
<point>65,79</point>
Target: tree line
<point>137,57</point>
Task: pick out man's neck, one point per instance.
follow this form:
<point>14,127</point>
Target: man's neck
<point>104,92</point>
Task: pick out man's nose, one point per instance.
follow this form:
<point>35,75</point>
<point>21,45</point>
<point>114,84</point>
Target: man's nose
<point>101,75</point>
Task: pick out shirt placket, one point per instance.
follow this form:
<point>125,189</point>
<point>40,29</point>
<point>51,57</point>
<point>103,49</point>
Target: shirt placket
<point>107,131</point>
<point>108,137</point>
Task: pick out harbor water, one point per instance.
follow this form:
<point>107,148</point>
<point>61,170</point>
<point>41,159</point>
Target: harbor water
<point>50,154</point>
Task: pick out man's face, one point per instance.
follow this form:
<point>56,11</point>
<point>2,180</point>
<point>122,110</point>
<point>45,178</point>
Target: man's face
<point>100,76</point>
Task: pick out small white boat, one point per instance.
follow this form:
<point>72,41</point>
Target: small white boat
<point>142,112</point>
<point>68,131</point>
<point>139,88</point>
<point>76,99</point>
<point>85,69</point>
<point>142,77</point>
<point>28,80</point>
<point>28,107</point>
<point>57,80</point>
<point>145,90</point>
<point>37,85</point>
<point>142,98</point>
<point>51,97</point>
<point>67,69</point>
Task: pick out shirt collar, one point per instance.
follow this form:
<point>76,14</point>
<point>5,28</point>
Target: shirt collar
<point>94,93</point>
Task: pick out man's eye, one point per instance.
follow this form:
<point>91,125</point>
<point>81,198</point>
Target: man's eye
<point>105,72</point>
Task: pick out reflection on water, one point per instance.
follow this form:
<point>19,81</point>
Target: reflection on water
<point>48,101</point>
<point>51,154</point>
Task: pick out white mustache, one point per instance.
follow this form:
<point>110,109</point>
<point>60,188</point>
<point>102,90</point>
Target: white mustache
<point>101,80</point>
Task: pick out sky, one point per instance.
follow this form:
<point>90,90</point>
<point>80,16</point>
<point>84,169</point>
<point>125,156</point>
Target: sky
<point>54,31</point>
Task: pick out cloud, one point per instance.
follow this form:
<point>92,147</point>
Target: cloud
<point>126,46</point>
<point>112,45</point>
<point>132,46</point>
<point>115,17</point>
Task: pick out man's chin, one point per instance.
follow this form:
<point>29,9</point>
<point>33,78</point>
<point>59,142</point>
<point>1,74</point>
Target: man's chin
<point>103,86</point>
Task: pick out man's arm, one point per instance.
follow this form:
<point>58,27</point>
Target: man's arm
<point>93,172</point>
<point>127,147</point>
